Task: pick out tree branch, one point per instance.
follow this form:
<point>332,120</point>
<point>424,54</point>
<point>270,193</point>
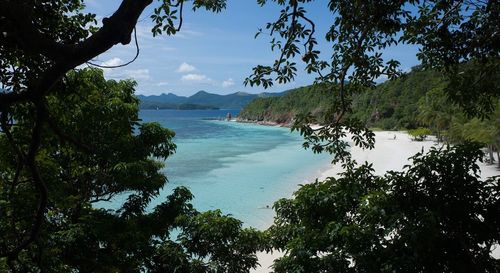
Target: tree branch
<point>116,29</point>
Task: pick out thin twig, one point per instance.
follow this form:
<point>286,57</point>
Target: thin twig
<point>180,14</point>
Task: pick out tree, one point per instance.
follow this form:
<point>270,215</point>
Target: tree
<point>419,134</point>
<point>71,140</point>
<point>436,111</point>
<point>484,131</point>
<point>92,149</point>
<point>402,222</point>
<point>435,216</point>
<point>458,38</point>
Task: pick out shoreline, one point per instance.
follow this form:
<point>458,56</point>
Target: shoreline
<point>264,123</point>
<point>391,152</point>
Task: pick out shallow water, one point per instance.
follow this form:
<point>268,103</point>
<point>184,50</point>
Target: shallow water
<point>238,168</point>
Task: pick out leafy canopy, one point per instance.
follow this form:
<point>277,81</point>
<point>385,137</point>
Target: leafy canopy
<point>434,216</point>
<point>70,139</point>
<point>458,38</point>
<point>94,148</point>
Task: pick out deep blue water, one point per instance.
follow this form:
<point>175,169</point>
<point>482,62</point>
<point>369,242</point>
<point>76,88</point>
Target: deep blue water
<point>238,168</point>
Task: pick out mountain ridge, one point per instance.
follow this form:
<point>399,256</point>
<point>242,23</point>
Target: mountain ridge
<point>203,99</point>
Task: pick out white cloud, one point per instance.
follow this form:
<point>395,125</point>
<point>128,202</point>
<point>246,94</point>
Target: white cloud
<point>195,78</point>
<point>113,62</point>
<point>121,73</point>
<point>162,84</point>
<point>227,83</point>
<point>185,67</point>
<point>138,74</point>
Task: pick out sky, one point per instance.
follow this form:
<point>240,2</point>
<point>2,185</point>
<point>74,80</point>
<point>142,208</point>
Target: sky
<point>212,52</point>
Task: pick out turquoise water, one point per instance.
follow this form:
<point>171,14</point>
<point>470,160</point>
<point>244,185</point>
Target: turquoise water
<point>238,168</point>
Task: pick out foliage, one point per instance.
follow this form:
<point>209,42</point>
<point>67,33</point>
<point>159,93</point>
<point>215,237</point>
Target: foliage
<point>93,150</point>
<point>419,134</point>
<point>391,105</point>
<point>435,111</point>
<point>59,20</point>
<point>70,139</point>
<point>451,125</point>
<point>449,33</point>
<point>394,104</point>
<point>359,34</point>
<point>316,99</point>
<point>169,12</point>
<point>434,216</point>
<point>416,99</point>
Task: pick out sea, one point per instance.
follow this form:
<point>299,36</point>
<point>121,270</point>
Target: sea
<point>239,168</point>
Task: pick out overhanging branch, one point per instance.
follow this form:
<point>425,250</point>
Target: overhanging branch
<point>116,29</point>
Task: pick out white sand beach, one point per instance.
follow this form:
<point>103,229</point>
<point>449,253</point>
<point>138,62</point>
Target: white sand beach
<point>391,152</point>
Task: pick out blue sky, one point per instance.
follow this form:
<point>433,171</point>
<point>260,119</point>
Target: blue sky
<point>212,52</point>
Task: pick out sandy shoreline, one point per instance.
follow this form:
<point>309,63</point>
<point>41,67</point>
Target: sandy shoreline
<point>391,152</point>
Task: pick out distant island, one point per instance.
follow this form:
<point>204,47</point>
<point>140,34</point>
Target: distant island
<point>202,100</point>
<point>155,105</point>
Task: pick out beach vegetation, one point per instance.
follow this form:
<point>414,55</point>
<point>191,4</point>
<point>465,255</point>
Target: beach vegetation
<point>419,134</point>
<point>436,215</point>
<point>432,216</point>
<point>456,44</point>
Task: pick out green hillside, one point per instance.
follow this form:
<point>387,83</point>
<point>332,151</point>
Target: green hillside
<point>230,101</point>
<point>394,104</point>
<point>391,105</point>
<point>416,101</point>
<point>315,99</point>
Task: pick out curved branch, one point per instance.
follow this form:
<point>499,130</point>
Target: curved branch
<point>116,29</point>
<point>313,30</point>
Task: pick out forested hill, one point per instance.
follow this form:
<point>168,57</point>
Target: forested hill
<point>315,99</point>
<point>201,100</point>
<point>395,104</point>
<point>391,105</point>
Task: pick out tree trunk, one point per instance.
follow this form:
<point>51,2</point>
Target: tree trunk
<point>490,153</point>
<point>498,157</point>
